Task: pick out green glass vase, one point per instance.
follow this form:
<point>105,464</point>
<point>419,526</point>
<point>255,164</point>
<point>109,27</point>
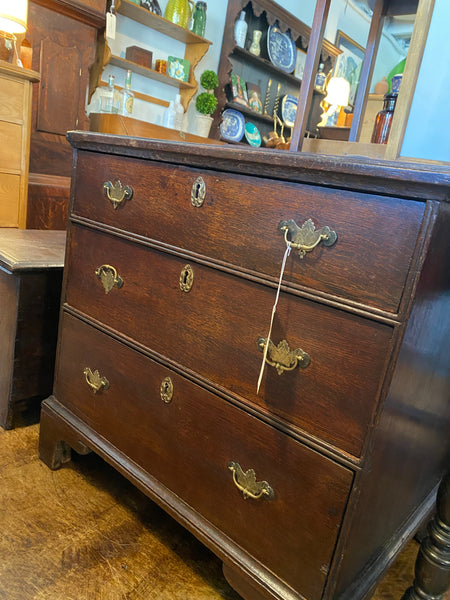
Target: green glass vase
<point>179,12</point>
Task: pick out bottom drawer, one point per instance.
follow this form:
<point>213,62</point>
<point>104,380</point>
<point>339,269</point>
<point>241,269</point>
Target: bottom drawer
<point>188,442</point>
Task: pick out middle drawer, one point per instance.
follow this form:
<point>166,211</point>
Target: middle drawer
<point>214,329</point>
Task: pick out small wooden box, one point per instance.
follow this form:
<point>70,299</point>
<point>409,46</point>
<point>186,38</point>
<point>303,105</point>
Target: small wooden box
<point>31,265</point>
<point>139,56</point>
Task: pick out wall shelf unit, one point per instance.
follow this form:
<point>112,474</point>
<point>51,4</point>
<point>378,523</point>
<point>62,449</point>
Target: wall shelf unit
<point>259,70</point>
<point>195,48</point>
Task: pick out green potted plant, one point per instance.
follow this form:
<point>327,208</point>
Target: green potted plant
<point>206,102</point>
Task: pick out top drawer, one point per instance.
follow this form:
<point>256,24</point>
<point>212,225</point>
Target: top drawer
<point>238,224</point>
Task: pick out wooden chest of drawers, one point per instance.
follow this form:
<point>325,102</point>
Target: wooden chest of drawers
<point>309,487</point>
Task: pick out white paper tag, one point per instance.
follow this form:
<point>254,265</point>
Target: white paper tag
<point>110,26</point>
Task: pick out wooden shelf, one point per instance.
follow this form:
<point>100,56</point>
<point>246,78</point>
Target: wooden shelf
<point>157,23</point>
<point>251,114</point>
<point>116,61</point>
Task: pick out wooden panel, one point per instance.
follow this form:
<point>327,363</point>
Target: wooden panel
<point>58,96</point>
<point>48,202</point>
<point>8,321</point>
<point>9,199</point>
<point>11,146</point>
<point>332,399</point>
<point>190,455</point>
<point>11,99</point>
<point>363,223</point>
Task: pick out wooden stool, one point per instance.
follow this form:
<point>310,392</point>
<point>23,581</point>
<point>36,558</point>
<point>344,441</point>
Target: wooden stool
<point>31,265</point>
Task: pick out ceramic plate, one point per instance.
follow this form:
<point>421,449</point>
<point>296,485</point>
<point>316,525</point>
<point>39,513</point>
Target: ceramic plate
<point>252,135</point>
<point>232,126</point>
<point>282,49</point>
<point>289,109</point>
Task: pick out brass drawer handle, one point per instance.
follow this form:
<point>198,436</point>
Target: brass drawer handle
<point>282,357</point>
<point>198,192</point>
<point>116,192</point>
<point>109,277</point>
<point>94,381</point>
<point>166,390</point>
<point>307,237</point>
<point>247,484</point>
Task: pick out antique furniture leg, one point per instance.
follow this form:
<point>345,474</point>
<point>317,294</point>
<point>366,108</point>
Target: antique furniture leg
<point>433,561</point>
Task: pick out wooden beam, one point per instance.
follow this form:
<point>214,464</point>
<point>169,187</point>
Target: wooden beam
<point>409,80</point>
<point>370,55</point>
<point>309,74</point>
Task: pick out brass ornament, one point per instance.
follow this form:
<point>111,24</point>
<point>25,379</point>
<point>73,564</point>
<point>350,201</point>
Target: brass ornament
<point>282,357</point>
<point>247,484</point>
<point>186,278</point>
<point>94,381</point>
<point>116,192</point>
<point>166,390</point>
<point>307,237</point>
<point>198,192</point>
<point>109,277</point>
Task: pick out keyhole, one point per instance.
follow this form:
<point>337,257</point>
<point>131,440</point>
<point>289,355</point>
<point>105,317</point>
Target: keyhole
<point>186,278</point>
<point>166,390</point>
<point>198,192</point>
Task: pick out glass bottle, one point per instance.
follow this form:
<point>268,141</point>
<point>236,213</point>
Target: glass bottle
<point>383,120</point>
<point>320,78</point>
<point>240,30</point>
<point>107,103</point>
<point>127,99</point>
<point>199,19</point>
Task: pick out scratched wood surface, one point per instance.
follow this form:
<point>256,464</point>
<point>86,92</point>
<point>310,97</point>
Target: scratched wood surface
<point>85,533</point>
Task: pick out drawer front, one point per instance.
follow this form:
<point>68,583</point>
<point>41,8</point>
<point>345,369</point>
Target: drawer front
<point>238,224</point>
<point>188,443</point>
<point>214,329</point>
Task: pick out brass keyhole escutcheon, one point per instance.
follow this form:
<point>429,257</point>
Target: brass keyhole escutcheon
<point>186,278</point>
<point>166,390</point>
<point>198,192</point>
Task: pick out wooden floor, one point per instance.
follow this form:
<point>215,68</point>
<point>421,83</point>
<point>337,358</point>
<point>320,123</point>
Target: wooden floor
<point>85,533</point>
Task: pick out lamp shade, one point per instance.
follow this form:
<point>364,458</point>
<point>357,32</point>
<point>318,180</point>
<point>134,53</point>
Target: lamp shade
<point>338,91</point>
<point>13,16</point>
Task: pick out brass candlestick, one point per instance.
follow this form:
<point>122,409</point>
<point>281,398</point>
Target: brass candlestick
<point>267,99</point>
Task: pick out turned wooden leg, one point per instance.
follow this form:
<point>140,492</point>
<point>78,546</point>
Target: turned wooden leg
<point>432,571</point>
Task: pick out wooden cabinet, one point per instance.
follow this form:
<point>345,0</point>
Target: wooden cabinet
<point>63,37</point>
<point>15,117</point>
<point>307,488</point>
<point>195,48</point>
<point>274,82</point>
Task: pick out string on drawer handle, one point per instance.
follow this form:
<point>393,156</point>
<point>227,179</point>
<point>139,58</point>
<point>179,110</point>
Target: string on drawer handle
<point>116,192</point>
<point>274,308</point>
<point>307,237</point>
<point>247,484</point>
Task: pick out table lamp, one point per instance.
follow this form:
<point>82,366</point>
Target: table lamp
<point>338,92</point>
<point>13,20</point>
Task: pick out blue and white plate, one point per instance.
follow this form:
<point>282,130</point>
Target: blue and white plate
<point>282,49</point>
<point>252,135</point>
<point>289,109</point>
<point>232,126</point>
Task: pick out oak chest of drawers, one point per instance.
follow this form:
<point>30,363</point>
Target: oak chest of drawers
<point>307,488</point>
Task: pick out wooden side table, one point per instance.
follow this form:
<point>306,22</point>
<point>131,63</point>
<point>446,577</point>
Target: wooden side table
<point>15,116</point>
<point>31,265</point>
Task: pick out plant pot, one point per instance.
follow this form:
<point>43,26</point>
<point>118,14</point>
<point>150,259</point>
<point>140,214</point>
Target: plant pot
<point>204,123</point>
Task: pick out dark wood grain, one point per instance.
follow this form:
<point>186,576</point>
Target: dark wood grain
<point>368,227</point>
<point>372,404</point>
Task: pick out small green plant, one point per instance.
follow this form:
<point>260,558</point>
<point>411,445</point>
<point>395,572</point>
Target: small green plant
<point>206,102</point>
<point>209,80</point>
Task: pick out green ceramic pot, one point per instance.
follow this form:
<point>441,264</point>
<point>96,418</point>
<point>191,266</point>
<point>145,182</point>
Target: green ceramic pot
<point>179,12</point>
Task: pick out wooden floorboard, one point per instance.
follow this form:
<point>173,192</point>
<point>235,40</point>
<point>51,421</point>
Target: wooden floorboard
<point>85,533</point>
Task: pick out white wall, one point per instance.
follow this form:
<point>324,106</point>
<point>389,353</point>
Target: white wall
<point>428,131</point>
